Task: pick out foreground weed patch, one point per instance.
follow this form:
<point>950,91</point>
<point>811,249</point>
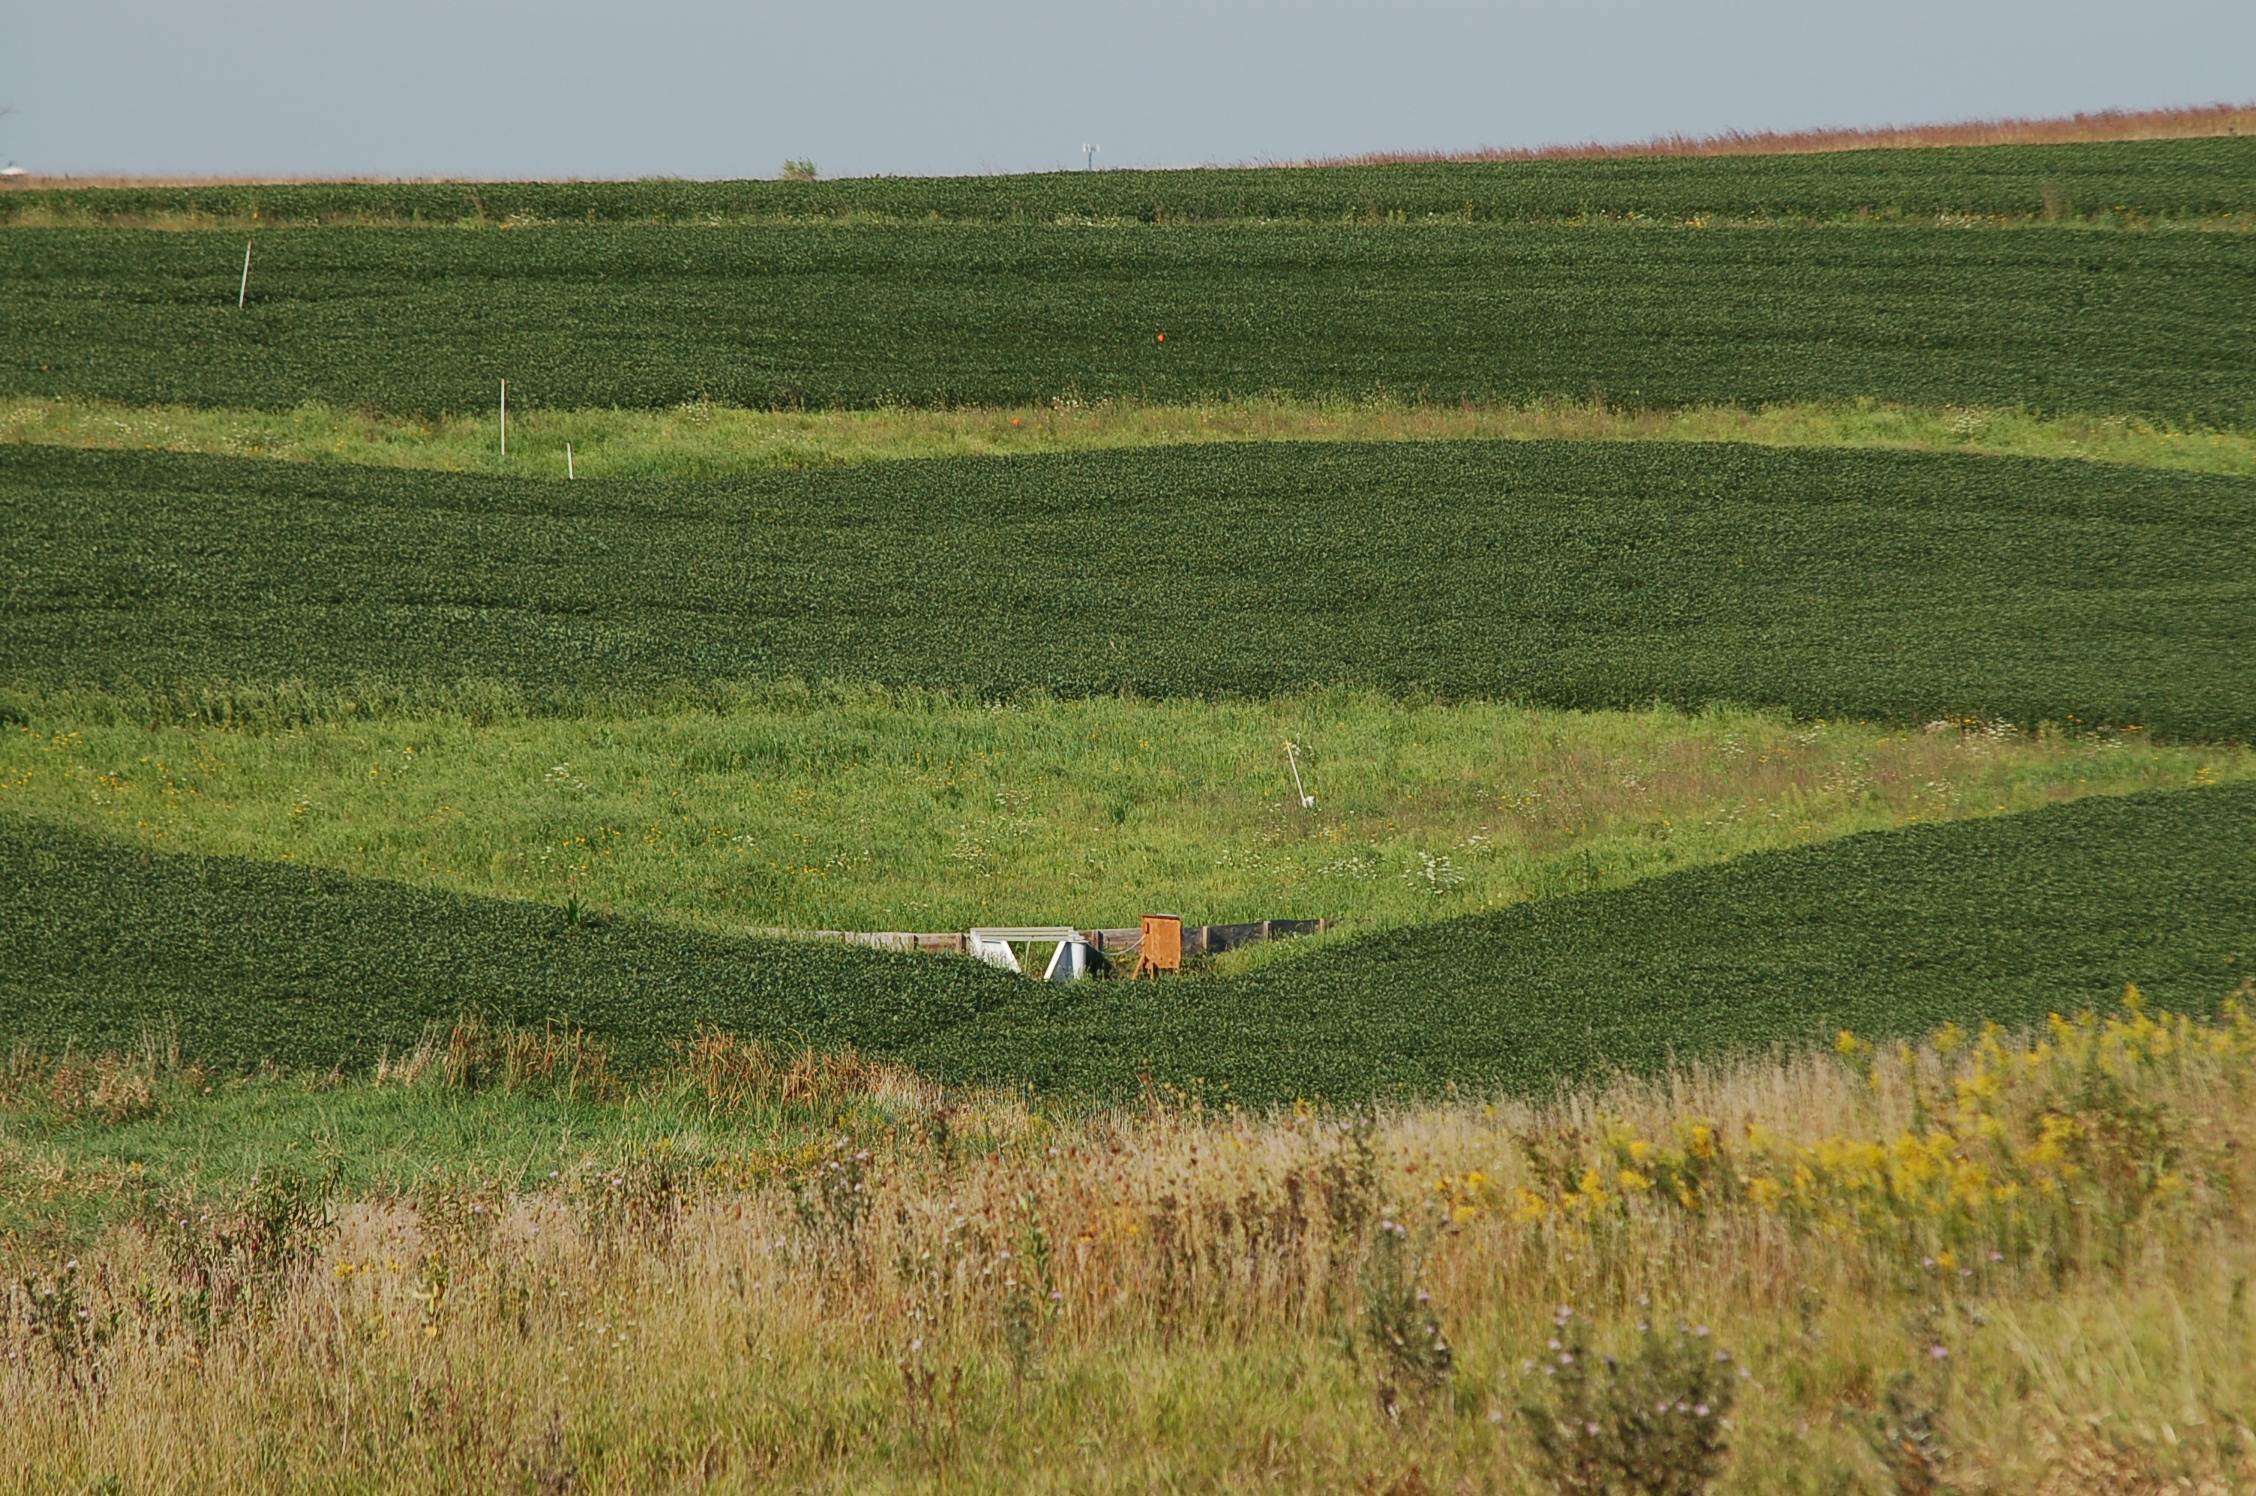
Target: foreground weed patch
<point>1888,1269</point>
<point>91,1138</point>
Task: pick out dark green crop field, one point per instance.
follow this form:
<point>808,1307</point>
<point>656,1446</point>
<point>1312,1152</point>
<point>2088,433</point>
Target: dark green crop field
<point>273,961</point>
<point>1889,933</point>
<point>1832,583</point>
<point>408,322</point>
<point>2150,179</point>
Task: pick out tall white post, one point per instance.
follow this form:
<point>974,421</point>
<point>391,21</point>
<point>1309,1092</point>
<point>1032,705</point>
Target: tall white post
<point>568,461</point>
<point>505,418</point>
<point>242,292</point>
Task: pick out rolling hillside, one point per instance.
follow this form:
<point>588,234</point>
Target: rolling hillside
<point>411,322</point>
<point>250,961</point>
<point>1888,934</point>
<point>1828,583</point>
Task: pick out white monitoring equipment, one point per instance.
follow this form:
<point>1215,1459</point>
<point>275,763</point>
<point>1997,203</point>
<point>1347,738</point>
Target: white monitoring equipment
<point>1068,963</point>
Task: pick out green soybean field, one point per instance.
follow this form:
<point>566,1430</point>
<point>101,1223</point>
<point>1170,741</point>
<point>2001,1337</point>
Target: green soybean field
<point>1889,933</point>
<point>1828,583</point>
<point>2050,319</point>
<point>252,961</point>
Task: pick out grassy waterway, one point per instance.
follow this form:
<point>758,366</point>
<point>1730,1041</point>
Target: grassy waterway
<point>710,440</point>
<point>877,812</point>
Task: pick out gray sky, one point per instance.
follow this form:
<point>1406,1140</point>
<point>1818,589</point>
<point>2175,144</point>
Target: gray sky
<point>704,88</point>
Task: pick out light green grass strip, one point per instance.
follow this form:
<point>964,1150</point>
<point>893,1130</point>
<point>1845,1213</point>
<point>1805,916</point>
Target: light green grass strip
<point>707,441</point>
<point>894,814</point>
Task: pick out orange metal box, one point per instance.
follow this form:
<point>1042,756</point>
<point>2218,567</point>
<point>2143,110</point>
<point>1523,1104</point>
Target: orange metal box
<point>1162,947</point>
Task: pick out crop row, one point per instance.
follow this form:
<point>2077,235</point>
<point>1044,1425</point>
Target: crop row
<point>1831,583</point>
<point>1888,933</point>
<point>398,321</point>
<point>2172,178</point>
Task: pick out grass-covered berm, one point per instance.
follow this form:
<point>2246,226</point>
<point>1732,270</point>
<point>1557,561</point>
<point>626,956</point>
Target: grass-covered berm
<point>409,322</point>
<point>1860,584</point>
<point>864,810</point>
<point>1994,1262</point>
<point>247,963</point>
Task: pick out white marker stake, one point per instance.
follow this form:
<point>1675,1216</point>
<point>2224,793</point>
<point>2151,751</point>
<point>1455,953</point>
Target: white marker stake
<point>1292,756</point>
<point>242,292</point>
<point>505,418</point>
<point>568,461</point>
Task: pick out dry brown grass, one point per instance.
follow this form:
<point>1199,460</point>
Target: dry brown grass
<point>112,1087</point>
<point>723,1070</point>
<point>986,1298</point>
<point>2185,123</point>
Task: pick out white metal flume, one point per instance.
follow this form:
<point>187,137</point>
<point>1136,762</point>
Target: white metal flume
<point>992,944</point>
